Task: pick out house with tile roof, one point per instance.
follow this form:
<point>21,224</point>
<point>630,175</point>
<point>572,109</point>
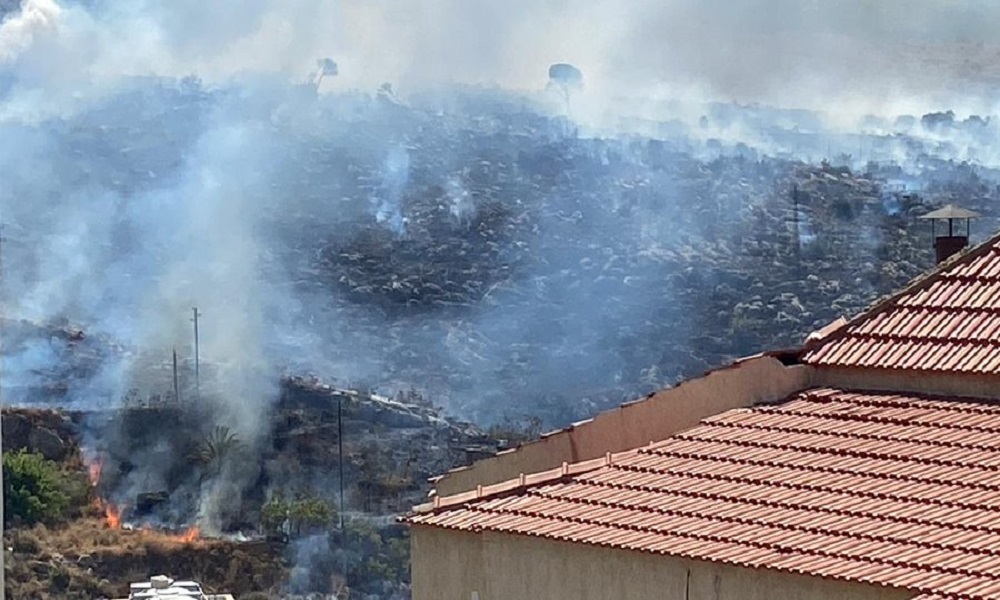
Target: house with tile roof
<point>864,465</point>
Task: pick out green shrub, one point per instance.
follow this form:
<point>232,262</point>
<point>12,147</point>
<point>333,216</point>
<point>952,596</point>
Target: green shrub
<point>301,516</point>
<point>32,489</point>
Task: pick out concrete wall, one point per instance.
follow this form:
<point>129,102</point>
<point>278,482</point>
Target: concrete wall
<point>747,382</point>
<point>453,565</point>
<point>975,386</point>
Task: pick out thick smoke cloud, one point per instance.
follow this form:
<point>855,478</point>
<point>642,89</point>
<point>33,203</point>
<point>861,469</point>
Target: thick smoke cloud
<point>135,199</point>
<point>872,54</point>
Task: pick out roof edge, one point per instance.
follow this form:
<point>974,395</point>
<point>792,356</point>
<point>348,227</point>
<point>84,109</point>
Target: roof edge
<point>922,592</point>
<point>919,283</point>
<point>524,481</point>
<point>744,382</point>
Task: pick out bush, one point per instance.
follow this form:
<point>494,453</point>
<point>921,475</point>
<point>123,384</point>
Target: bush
<point>33,490</point>
<point>25,542</point>
<point>298,517</point>
<point>375,555</point>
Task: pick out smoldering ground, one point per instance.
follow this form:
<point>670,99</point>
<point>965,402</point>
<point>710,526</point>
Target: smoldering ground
<point>159,156</point>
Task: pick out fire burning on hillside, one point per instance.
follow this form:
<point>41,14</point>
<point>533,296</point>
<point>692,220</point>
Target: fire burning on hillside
<point>193,534</point>
<point>112,516</point>
<point>113,513</point>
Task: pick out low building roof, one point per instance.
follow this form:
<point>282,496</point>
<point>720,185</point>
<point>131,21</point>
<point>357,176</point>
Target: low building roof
<point>881,488</point>
<point>946,322</point>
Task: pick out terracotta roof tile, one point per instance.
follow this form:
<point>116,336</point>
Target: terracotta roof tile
<point>948,321</point>
<point>895,490</point>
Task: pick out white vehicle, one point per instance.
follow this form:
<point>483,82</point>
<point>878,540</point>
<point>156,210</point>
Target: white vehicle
<point>164,588</point>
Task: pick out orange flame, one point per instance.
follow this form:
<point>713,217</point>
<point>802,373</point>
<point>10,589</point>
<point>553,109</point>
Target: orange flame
<point>191,535</point>
<point>112,516</point>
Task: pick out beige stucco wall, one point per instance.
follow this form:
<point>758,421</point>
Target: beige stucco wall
<point>451,565</point>
<point>976,386</point>
<point>748,382</point>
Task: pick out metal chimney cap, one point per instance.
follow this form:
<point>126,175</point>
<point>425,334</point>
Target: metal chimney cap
<point>950,211</point>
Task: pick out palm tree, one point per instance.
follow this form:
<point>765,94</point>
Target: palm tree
<point>216,447</point>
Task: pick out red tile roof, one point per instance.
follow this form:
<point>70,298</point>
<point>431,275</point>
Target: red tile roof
<point>893,490</point>
<point>948,321</point>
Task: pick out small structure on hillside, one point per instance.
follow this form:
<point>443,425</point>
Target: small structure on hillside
<point>952,240</point>
<point>162,587</point>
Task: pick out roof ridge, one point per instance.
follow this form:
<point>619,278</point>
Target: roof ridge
<point>917,284</point>
<point>941,308</point>
<point>895,337</point>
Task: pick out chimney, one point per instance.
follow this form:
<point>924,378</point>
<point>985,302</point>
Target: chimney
<point>953,237</point>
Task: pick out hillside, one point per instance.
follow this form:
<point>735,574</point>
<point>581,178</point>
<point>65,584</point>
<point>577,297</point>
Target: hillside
<point>392,269</point>
<point>504,267</point>
<point>391,448</point>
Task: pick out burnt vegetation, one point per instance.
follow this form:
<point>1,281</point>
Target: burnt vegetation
<point>486,262</point>
<point>444,262</point>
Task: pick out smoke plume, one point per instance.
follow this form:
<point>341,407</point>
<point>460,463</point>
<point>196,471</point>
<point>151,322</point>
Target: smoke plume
<point>159,156</point>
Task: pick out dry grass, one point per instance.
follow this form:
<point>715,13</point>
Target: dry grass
<point>90,535</point>
<point>85,559</point>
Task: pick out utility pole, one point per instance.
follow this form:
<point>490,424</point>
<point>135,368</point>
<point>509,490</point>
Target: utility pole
<point>798,232</point>
<point>197,357</point>
<point>340,458</point>
<point>340,461</point>
<point>3,546</point>
<point>177,387</point>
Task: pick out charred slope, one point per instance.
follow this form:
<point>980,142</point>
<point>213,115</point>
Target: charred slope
<point>156,461</point>
<point>144,463</point>
<point>477,249</point>
<point>84,559</point>
<point>624,270</point>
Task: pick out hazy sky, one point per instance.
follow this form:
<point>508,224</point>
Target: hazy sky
<point>781,51</point>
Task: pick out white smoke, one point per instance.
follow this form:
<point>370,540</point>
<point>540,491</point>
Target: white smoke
<point>36,19</point>
<point>860,54</point>
<point>388,202</point>
<point>132,255</point>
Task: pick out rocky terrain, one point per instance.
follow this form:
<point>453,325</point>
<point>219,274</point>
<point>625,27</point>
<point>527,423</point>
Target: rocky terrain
<point>432,261</point>
<point>501,262</point>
